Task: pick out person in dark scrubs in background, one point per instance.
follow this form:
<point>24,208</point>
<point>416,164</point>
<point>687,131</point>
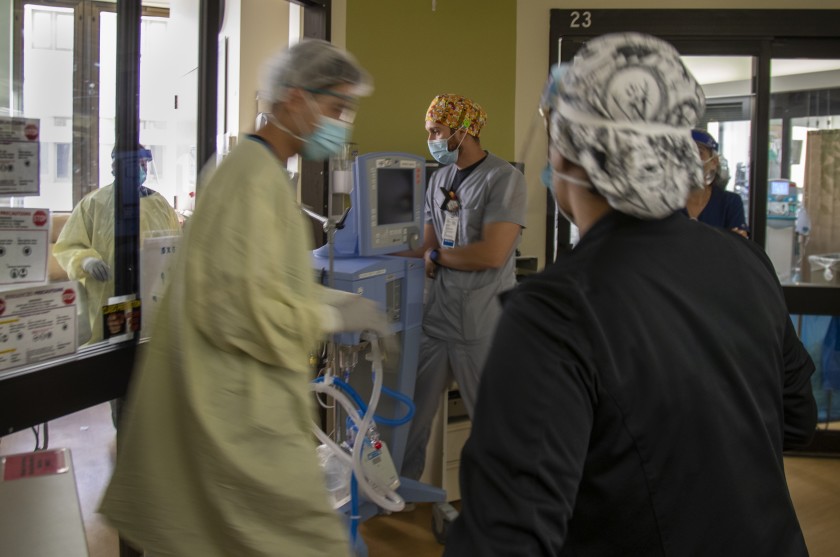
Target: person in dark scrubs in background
<point>713,204</point>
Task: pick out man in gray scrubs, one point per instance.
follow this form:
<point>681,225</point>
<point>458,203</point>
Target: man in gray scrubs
<point>475,211</point>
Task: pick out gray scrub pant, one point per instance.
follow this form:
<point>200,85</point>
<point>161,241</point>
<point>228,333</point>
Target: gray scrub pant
<point>440,361</point>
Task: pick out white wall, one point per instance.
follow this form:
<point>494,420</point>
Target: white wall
<point>254,29</point>
<point>265,31</point>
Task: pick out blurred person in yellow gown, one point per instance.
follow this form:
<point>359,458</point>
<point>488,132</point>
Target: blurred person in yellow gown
<point>216,456</point>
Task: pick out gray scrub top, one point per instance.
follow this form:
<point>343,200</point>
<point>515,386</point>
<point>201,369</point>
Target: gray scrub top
<point>462,304</point>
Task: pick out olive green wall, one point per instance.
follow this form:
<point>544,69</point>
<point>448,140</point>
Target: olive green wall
<point>466,47</point>
<point>493,50</point>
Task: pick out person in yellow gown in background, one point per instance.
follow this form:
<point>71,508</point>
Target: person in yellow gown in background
<point>85,246</point>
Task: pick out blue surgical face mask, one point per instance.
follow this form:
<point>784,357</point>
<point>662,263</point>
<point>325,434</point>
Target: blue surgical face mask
<point>141,173</point>
<point>548,173</point>
<point>545,177</point>
<point>327,140</point>
<point>439,148</point>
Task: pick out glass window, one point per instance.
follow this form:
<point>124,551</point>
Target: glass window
<point>48,96</point>
<point>63,161</point>
<point>803,221</point>
<point>157,170</point>
<point>69,72</point>
<point>157,106</point>
<point>40,33</point>
<point>44,162</point>
<point>63,31</point>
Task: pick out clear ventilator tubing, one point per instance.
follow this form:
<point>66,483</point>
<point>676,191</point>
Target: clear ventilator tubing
<point>390,501</point>
<point>348,407</point>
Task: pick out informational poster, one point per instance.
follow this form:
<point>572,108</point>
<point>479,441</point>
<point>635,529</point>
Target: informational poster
<point>157,260</point>
<point>37,323</point>
<point>20,153</point>
<point>24,237</point>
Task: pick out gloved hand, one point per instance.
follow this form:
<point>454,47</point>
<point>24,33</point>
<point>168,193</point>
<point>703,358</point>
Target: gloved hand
<point>355,313</point>
<point>96,268</point>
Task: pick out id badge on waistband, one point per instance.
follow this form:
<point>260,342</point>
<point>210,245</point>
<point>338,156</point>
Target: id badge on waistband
<point>450,230</point>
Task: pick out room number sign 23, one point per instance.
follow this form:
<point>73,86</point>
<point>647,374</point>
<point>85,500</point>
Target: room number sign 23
<point>580,19</point>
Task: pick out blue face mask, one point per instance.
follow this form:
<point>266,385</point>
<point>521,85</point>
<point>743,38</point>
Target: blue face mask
<point>141,173</point>
<point>327,140</point>
<point>548,173</point>
<point>439,148</point>
<point>545,177</point>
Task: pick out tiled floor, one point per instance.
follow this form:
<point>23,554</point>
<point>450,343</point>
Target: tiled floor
<point>814,485</point>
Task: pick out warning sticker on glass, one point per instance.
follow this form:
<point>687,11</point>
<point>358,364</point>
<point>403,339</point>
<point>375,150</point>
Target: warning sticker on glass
<point>37,324</point>
<point>20,151</point>
<point>24,236</point>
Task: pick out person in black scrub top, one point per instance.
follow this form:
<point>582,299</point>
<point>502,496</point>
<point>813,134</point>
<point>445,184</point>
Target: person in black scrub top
<point>636,400</point>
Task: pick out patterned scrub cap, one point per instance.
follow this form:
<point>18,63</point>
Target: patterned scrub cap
<point>456,112</point>
<point>624,111</point>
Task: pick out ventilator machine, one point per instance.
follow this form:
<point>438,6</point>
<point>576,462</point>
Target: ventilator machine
<point>376,208</point>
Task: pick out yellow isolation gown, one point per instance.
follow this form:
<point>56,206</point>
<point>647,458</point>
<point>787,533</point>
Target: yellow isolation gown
<point>216,455</point>
<point>89,232</point>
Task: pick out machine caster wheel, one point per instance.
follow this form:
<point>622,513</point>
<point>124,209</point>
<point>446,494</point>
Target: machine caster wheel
<point>443,515</point>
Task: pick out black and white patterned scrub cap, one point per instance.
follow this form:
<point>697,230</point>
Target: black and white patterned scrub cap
<point>624,110</point>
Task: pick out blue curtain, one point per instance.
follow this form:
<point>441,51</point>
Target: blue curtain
<point>821,336</point>
<point>831,356</point>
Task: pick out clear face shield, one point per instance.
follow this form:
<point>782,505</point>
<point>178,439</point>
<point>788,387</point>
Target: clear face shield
<point>547,101</point>
<point>549,174</point>
<point>339,106</point>
<point>551,91</point>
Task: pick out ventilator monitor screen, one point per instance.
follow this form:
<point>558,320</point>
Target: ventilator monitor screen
<point>388,194</point>
<point>395,195</point>
<point>780,187</point>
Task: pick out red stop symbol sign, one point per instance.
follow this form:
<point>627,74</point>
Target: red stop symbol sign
<point>69,296</point>
<point>31,132</point>
<point>39,218</point>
